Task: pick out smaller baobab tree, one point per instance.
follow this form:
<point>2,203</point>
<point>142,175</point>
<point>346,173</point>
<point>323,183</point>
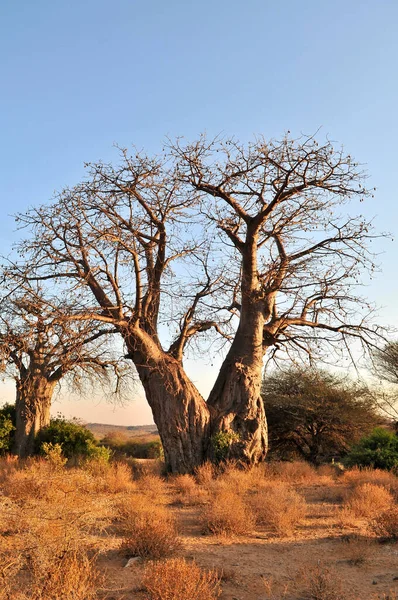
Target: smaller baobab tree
<point>40,346</point>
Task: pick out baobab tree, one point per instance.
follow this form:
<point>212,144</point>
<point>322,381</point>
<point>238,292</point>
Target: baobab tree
<point>276,205</point>
<point>241,242</point>
<point>39,348</point>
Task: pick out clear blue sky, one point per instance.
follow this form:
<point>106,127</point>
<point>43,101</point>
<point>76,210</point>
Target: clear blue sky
<point>79,75</point>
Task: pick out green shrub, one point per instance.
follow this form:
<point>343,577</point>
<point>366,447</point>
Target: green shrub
<point>7,427</point>
<point>222,442</point>
<point>136,448</point>
<point>75,439</point>
<point>378,450</point>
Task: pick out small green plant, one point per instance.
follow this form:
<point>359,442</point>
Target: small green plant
<point>7,427</point>
<point>53,453</point>
<point>379,450</point>
<point>222,443</point>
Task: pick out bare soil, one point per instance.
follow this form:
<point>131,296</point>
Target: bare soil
<point>263,565</point>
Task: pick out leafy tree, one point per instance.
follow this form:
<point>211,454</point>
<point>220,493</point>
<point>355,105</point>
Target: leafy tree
<point>243,243</point>
<point>378,450</point>
<point>385,367</point>
<point>316,414</point>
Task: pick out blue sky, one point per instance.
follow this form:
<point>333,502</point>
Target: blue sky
<point>79,76</point>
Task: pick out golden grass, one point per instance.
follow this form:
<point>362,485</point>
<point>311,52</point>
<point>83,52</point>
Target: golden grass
<point>149,531</point>
<point>178,579</point>
<point>319,583</point>
<point>204,474</point>
<point>227,515</point>
<point>291,472</point>
<point>188,492</point>
<point>385,524</point>
<point>386,479</point>
<point>279,508</point>
<point>367,500</point>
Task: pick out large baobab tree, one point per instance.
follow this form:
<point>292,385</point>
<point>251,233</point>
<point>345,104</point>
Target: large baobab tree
<point>242,242</point>
<point>39,348</point>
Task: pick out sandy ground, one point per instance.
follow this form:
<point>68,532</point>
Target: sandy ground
<point>262,566</point>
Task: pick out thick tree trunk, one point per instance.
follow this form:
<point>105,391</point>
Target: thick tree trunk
<point>33,403</point>
<point>179,411</point>
<point>236,396</point>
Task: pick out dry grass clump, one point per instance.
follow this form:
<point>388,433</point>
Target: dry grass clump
<point>177,579</point>
<point>386,524</point>
<point>227,515</point>
<point>241,480</point>
<point>291,472</point>
<point>279,508</point>
<point>188,491</point>
<point>368,500</point>
<point>386,479</point>
<point>8,464</point>
<point>149,531</point>
<point>72,575</point>
<point>357,550</point>
<point>319,583</point>
<point>205,474</point>
<point>154,487</point>
<point>116,478</point>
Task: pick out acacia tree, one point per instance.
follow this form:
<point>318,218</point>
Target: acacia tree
<point>135,240</point>
<point>38,349</point>
<point>316,414</point>
<point>385,367</point>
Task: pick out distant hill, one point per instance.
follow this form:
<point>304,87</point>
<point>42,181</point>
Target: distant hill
<point>100,430</point>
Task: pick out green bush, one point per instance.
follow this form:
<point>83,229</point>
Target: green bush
<point>222,442</point>
<point>7,427</point>
<point>135,448</point>
<point>75,439</point>
<point>378,450</point>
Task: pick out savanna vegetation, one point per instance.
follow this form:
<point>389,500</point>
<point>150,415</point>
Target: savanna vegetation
<point>121,530</point>
<point>250,251</point>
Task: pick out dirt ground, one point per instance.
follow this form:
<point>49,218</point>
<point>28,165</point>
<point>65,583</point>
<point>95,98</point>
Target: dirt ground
<point>333,553</point>
<point>263,566</point>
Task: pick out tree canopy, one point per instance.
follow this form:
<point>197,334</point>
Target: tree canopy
<point>315,414</point>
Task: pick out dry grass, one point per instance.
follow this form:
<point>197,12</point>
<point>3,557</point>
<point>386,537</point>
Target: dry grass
<point>386,479</point>
<point>368,500</point>
<point>319,583</point>
<point>227,515</point>
<point>204,474</point>
<point>154,487</point>
<point>386,524</point>
<point>357,550</point>
<point>177,579</point>
<point>279,508</point>
<point>148,531</point>
<point>72,575</point>
<point>292,472</point>
<point>188,492</point>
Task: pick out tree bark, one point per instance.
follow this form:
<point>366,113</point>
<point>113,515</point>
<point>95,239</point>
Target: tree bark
<point>236,396</point>
<point>33,403</point>
<point>179,411</point>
